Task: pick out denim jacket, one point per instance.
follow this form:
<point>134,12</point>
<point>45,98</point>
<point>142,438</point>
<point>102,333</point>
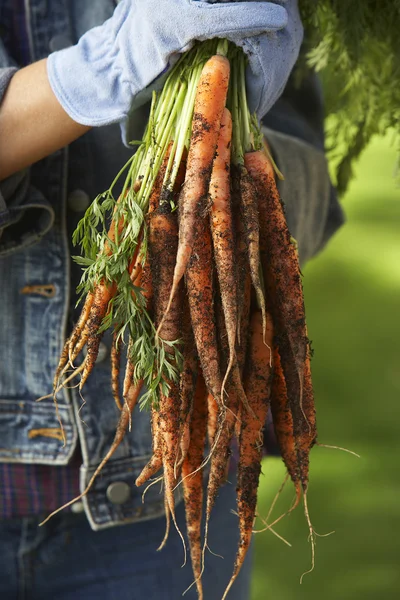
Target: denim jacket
<point>36,292</point>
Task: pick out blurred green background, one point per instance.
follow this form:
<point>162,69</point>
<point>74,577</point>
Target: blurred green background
<point>352,293</point>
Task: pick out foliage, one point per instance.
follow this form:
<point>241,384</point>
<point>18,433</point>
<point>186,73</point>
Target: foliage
<point>356,48</point>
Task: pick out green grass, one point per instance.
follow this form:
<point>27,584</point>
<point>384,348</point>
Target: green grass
<point>352,293</point>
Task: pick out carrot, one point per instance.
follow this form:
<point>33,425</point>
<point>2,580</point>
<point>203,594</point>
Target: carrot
<point>283,420</point>
<point>242,271</point>
<point>282,280</point>
<point>309,430</point>
<point>116,348</point>
<point>80,325</point>
<point>241,347</point>
<point>93,312</point>
<point>192,479</point>
<point>222,233</point>
<point>212,420</point>
<point>249,211</point>
<point>221,450</point>
<point>103,294</point>
<point>200,291</point>
<point>70,344</point>
<point>187,381</point>
<point>257,386</point>
<point>145,283</point>
<point>155,462</point>
<point>227,417</point>
<point>163,243</point>
<point>208,108</point>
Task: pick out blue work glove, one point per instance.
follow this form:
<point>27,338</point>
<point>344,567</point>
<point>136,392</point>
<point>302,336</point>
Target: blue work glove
<point>114,67</point>
<point>272,55</point>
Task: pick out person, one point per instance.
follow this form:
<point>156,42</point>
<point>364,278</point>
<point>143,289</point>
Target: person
<point>73,76</point>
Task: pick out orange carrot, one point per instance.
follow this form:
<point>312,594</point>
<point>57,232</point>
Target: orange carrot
<point>221,451</point>
<point>257,386</point>
<point>187,381</point>
<point>212,420</point>
<point>249,211</point>
<point>282,279</point>
<point>200,290</point>
<point>208,108</point>
<point>155,462</point>
<point>70,344</point>
<point>116,348</point>
<point>103,294</point>
<point>308,438</point>
<point>241,347</point>
<point>83,317</point>
<point>283,420</point>
<point>163,243</point>
<point>227,417</point>
<point>94,310</point>
<point>222,232</point>
<point>242,271</point>
<point>192,479</point>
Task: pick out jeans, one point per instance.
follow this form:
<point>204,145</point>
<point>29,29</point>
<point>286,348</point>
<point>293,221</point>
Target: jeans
<point>66,560</point>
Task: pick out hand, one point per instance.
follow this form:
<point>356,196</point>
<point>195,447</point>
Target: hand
<point>101,79</point>
<point>272,53</point>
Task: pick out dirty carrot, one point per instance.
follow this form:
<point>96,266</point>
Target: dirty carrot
<point>192,479</point>
<point>212,420</point>
<point>249,211</point>
<point>222,233</point>
<point>187,382</point>
<point>282,278</point>
<point>257,387</point>
<point>208,108</point>
<point>283,421</point>
<point>116,348</point>
<point>155,462</point>
<point>163,243</point>
<point>103,294</point>
<point>200,290</point>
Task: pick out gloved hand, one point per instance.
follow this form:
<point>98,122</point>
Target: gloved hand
<point>112,69</point>
<point>272,55</point>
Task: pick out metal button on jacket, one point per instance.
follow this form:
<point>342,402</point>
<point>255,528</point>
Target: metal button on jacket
<point>118,492</point>
<point>78,201</point>
<point>59,42</point>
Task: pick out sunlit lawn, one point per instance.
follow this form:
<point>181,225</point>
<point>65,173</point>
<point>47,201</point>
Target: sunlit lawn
<point>353,304</point>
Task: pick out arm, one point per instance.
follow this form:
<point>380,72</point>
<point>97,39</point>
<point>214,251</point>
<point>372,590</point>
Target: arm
<point>114,68</point>
<point>33,123</point>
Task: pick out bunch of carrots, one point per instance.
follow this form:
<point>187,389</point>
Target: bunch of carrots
<point>199,278</point>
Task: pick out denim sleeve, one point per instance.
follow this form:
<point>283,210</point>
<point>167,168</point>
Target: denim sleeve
<point>25,215</point>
